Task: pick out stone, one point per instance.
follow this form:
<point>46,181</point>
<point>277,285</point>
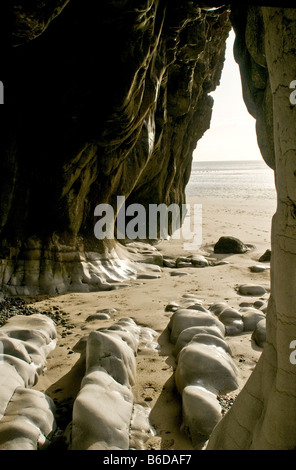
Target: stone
<point>26,415</point>
<point>183,262</point>
<point>211,340</point>
<point>191,296</point>
<point>140,427</point>
<point>102,413</point>
<point>30,338</point>
<point>258,268</point>
<point>97,316</point>
<point>197,306</point>
<point>185,318</point>
<point>198,261</point>
<point>266,257</point>
<point>229,313</point>
<point>169,263</point>
<point>109,311</point>
<point>259,333</point>
<point>29,422</point>
<point>128,331</point>
<point>251,317</point>
<point>227,245</point>
<point>179,273</point>
<point>220,263</point>
<point>172,306</point>
<point>207,366</point>
<point>252,290</point>
<point>39,322</point>
<point>26,371</point>
<point>232,320</point>
<point>187,334</point>
<point>200,414</point>
<point>113,355</point>
<point>264,307</point>
<point>217,308</point>
<point>14,347</point>
<point>257,304</point>
<point>10,379</point>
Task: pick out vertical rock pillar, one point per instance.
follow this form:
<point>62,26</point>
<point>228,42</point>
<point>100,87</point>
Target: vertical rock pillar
<point>264,414</point>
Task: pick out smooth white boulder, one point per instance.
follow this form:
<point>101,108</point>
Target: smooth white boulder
<point>14,347</point>
<point>185,318</point>
<point>33,336</point>
<point>186,335</point>
<point>212,340</point>
<point>208,366</point>
<point>28,422</point>
<point>252,290</point>
<point>9,381</point>
<point>112,354</point>
<point>30,338</point>
<point>201,412</point>
<point>24,350</point>
<point>128,331</point>
<point>25,370</point>
<point>102,413</point>
<point>197,306</point>
<point>198,261</point>
<point>218,307</point>
<point>259,333</point>
<point>232,320</point>
<point>251,317</point>
<point>37,321</point>
<point>259,268</point>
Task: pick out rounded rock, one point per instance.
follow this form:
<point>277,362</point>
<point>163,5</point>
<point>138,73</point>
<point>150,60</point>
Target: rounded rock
<point>259,333</point>
<point>201,364</point>
<point>252,290</point>
<point>184,318</point>
<point>251,316</point>
<point>201,413</point>
<point>229,245</point>
<point>186,336</point>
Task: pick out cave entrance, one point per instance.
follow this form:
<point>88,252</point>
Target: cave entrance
<point>229,176</point>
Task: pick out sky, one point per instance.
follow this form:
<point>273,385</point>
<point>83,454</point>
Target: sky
<point>232,134</point>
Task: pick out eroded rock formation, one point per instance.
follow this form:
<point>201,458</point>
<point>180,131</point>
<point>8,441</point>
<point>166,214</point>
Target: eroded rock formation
<point>264,414</point>
<point>100,102</point>
<point>100,105</point>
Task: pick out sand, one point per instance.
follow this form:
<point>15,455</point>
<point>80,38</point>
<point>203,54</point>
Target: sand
<point>145,301</point>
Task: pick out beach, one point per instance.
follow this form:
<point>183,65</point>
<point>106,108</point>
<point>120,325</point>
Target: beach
<point>145,301</point>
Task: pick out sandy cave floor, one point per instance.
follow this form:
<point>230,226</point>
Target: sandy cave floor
<point>145,301</point>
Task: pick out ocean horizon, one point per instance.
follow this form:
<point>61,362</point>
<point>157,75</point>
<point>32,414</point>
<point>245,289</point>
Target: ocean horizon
<point>231,179</point>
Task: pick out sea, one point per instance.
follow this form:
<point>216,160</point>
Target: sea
<point>232,179</point>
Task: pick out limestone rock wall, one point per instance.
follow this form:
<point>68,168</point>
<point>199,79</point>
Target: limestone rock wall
<point>263,416</point>
<point>100,101</point>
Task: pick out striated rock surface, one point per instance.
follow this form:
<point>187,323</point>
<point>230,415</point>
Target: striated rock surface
<point>108,104</point>
<point>27,419</point>
<point>265,50</point>
<point>100,101</point>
